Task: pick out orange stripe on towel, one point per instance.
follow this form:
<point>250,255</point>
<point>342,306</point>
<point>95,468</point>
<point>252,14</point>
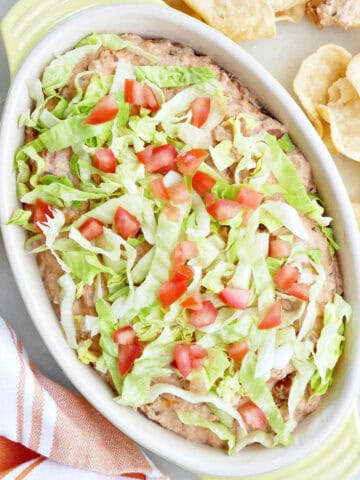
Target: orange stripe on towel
<point>12,455</point>
<point>30,468</point>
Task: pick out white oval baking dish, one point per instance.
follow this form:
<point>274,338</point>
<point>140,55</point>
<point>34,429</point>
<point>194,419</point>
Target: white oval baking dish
<point>154,21</point>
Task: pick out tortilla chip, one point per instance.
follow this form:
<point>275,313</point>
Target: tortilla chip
<point>316,75</point>
<point>294,14</point>
<point>240,20</point>
<point>345,127</point>
<point>353,72</point>
<point>181,5</point>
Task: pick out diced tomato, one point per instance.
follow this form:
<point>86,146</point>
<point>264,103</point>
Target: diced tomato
<point>127,356</point>
<point>238,350</point>
<point>183,273</point>
<point>159,159</point>
<point>279,248</point>
<point>224,209</point>
<point>204,317</point>
<point>184,251</point>
<point>125,336</point>
<point>197,363</point>
<point>197,351</point>
<point>104,159</point>
<point>203,183</point>
<point>140,94</point>
<point>172,213</point>
<point>190,161</point>
<point>182,359</point>
<point>126,224</point>
<point>158,189</point>
<point>209,199</point>
<point>40,213</point>
<point>200,108</point>
<point>249,198</point>
<point>299,290</point>
<point>92,228</point>
<point>194,302</point>
<point>151,102</point>
<point>253,416</point>
<point>170,291</point>
<point>178,193</point>
<point>104,111</point>
<point>235,297</point>
<point>272,318</point>
<point>286,276</point>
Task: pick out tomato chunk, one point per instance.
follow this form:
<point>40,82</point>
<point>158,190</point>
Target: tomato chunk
<point>104,159</point>
<point>158,189</point>
<point>224,209</point>
<point>238,350</point>
<point>125,336</point>
<point>272,318</point>
<point>159,159</point>
<point>204,317</point>
<point>104,111</point>
<point>286,276</point>
<point>178,193</point>
<point>92,228</point>
<point>200,108</point>
<point>170,291</point>
<point>194,302</point>
<point>235,297</point>
<point>203,183</point>
<point>41,211</point>
<point>197,351</point>
<point>183,273</point>
<point>172,213</point>
<point>140,94</point>
<point>127,356</point>
<point>184,251</point>
<point>279,248</point>
<point>197,363</point>
<point>126,224</point>
<point>253,416</point>
<point>249,198</point>
<point>190,161</point>
<point>299,290</point>
<point>182,359</point>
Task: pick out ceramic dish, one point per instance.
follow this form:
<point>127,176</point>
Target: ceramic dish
<point>157,21</point>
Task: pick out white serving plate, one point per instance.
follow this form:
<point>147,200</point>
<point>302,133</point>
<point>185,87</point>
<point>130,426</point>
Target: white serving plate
<point>157,21</point>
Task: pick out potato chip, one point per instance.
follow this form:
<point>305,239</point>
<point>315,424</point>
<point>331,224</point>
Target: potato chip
<point>345,127</point>
<point>294,14</point>
<point>341,91</point>
<point>284,5</point>
<point>326,138</point>
<point>181,5</point>
<point>353,72</point>
<point>316,75</point>
<point>240,20</point>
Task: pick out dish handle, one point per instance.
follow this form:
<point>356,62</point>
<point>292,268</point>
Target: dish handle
<point>338,457</point>
<point>29,20</point>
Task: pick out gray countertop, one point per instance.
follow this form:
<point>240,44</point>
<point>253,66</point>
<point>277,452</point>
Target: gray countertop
<point>272,55</point>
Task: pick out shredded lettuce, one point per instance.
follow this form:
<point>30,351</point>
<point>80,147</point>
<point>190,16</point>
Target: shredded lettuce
<point>220,430</point>
<point>286,144</point>
<point>174,76</point>
<point>67,299</point>
<point>329,345</point>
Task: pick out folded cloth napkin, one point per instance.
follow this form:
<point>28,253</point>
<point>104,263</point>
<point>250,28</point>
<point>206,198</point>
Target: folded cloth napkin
<point>48,432</point>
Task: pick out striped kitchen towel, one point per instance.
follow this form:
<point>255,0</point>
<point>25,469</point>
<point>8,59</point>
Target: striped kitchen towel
<point>48,432</point>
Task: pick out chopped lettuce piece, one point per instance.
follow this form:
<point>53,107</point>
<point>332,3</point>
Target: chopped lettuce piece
<point>219,429</point>
<point>329,345</point>
<point>286,144</point>
<point>21,217</point>
<point>221,155</point>
<point>67,299</point>
<point>174,76</point>
<point>58,73</point>
<point>83,351</point>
